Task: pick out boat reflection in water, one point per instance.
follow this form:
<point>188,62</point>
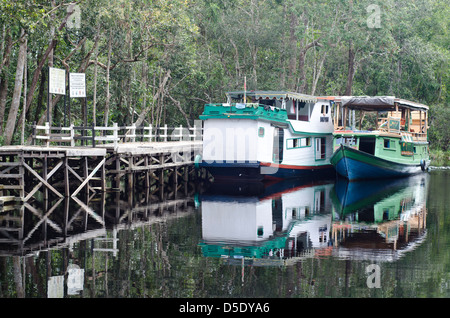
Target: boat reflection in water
<point>378,220</point>
<point>262,224</point>
<point>279,224</point>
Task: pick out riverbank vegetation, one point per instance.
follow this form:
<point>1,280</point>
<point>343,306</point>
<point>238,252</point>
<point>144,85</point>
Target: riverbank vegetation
<point>160,61</point>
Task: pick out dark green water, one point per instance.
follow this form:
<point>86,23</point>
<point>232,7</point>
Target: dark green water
<point>325,239</point>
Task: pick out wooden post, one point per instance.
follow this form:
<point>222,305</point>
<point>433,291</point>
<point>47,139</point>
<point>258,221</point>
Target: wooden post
<point>115,135</point>
<point>133,132</point>
<point>147,172</point>
<point>165,133</point>
<point>47,134</point>
<point>117,172</point>
<point>161,177</point>
<point>361,114</point>
<point>175,181</point>
<point>181,133</point>
<point>344,122</point>
<point>86,174</point>
<point>336,116</point>
<point>103,180</point>
<point>420,121</point>
<point>426,124</point>
<point>72,136</point>
<point>66,177</point>
<point>130,174</point>
<point>44,176</point>
<point>22,177</point>
<point>150,139</point>
<point>66,216</point>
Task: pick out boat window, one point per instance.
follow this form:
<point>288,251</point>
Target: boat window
<point>367,145</point>
<point>324,109</point>
<point>298,142</point>
<point>307,141</point>
<point>349,141</point>
<point>304,110</point>
<point>320,148</point>
<point>291,107</point>
<point>261,132</point>
<point>268,102</point>
<point>278,141</point>
<point>260,231</point>
<point>387,143</point>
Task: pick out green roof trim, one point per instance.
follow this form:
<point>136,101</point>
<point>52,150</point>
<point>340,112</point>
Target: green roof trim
<point>244,111</point>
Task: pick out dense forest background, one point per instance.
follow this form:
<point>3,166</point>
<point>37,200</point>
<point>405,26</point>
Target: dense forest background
<point>160,61</point>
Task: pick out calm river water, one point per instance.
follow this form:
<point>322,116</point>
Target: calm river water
<point>278,240</point>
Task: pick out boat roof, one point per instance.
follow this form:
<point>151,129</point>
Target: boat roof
<point>273,95</point>
<point>371,103</point>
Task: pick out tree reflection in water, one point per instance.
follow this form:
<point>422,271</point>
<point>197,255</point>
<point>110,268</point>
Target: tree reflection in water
<point>311,240</point>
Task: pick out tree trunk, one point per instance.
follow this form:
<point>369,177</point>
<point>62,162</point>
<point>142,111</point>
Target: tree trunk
<point>50,61</point>
<point>145,79</point>
<point>15,103</point>
<point>156,98</point>
<point>318,73</point>
<point>41,97</point>
<point>237,66</point>
<point>351,70</point>
<point>302,73</point>
<point>3,97</point>
<point>108,94</point>
<point>292,51</point>
<point>94,99</point>
<point>4,79</point>
<point>40,65</point>
<point>178,104</point>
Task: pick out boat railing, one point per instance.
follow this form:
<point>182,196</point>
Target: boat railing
<point>237,105</point>
<point>420,136</point>
<point>96,135</point>
<point>390,125</point>
<point>397,126</point>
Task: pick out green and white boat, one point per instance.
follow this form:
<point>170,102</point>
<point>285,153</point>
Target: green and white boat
<point>390,140</point>
<point>259,135</point>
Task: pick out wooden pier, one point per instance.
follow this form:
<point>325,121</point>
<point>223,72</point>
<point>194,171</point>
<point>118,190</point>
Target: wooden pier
<point>71,161</point>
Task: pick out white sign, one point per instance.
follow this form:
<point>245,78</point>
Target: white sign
<point>57,81</point>
<point>77,82</point>
<point>75,280</point>
<point>55,287</point>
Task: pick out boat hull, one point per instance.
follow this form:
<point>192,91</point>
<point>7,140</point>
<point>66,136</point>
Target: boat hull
<point>357,165</point>
<point>265,171</point>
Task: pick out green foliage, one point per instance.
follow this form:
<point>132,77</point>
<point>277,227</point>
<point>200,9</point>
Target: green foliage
<point>209,47</point>
<point>439,134</point>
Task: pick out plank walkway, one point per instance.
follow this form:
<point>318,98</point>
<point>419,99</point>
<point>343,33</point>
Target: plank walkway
<point>69,170</point>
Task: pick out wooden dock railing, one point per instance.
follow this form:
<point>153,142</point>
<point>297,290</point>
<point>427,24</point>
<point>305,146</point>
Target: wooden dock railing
<point>95,135</point>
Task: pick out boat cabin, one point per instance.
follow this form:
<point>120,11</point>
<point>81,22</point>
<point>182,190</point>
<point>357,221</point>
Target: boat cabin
<point>382,116</point>
<point>297,106</point>
<point>288,131</point>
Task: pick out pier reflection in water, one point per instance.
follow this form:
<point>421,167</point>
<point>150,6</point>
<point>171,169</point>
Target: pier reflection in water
<point>60,235</point>
<point>281,239</point>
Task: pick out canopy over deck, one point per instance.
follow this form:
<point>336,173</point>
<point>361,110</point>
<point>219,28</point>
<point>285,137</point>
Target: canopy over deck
<point>279,95</point>
<point>378,103</point>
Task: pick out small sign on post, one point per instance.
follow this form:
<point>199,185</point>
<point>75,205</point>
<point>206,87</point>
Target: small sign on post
<point>57,81</point>
<point>77,85</point>
<point>56,85</point>
<point>77,89</point>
